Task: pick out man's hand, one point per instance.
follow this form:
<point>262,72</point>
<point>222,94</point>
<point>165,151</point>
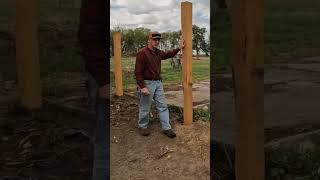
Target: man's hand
<point>145,91</point>
<point>181,45</point>
<point>104,92</point>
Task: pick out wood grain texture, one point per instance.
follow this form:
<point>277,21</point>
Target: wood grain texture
<point>186,24</point>
<point>117,64</point>
<point>27,53</point>
<point>248,67</point>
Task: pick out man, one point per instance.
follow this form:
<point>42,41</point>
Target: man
<point>147,72</point>
<point>93,31</point>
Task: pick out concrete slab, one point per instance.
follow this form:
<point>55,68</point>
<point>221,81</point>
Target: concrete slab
<point>292,100</point>
<point>309,67</point>
<point>200,94</point>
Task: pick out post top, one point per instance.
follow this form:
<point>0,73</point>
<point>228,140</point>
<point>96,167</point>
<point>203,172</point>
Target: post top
<point>186,2</point>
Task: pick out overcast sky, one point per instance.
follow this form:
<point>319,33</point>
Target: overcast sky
<point>157,15</point>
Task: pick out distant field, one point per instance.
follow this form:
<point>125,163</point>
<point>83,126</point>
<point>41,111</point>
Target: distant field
<point>291,31</point>
<point>200,68</point>
<point>63,16</point>
<point>47,8</point>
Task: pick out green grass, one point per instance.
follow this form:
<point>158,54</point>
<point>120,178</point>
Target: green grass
<point>46,8</point>
<point>62,60</point>
<point>301,165</point>
<point>291,32</point>
<point>199,114</point>
<point>54,61</point>
<point>170,76</point>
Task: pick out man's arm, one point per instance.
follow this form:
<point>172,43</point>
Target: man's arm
<point>92,36</point>
<point>169,54</point>
<point>173,52</point>
<point>138,71</point>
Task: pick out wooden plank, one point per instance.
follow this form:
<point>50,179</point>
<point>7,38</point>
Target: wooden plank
<point>186,24</point>
<point>248,66</point>
<point>117,64</point>
<point>27,53</point>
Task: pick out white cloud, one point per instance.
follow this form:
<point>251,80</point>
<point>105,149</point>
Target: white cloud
<point>157,15</point>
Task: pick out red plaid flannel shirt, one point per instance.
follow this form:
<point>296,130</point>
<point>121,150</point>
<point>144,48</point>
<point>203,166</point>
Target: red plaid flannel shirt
<point>92,34</point>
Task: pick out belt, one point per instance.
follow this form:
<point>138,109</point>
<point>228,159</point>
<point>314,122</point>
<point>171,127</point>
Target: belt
<point>154,79</point>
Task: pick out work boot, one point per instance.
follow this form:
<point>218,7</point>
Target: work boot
<point>144,131</point>
<point>169,133</point>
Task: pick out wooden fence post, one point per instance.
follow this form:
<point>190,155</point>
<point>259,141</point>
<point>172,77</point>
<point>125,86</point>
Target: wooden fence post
<point>117,63</point>
<point>27,53</point>
<point>186,23</point>
<point>248,72</point>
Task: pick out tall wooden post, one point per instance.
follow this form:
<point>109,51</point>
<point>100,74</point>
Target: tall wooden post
<point>27,53</point>
<point>117,63</point>
<point>248,72</point>
<point>186,23</point>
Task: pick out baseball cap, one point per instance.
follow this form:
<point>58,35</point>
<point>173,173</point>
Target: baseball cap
<point>154,35</point>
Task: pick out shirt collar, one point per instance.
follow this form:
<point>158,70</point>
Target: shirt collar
<point>154,50</point>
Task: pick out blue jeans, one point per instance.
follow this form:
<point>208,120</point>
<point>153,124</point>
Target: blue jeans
<point>101,162</point>
<point>93,89</point>
<point>157,94</point>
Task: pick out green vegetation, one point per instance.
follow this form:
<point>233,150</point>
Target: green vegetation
<point>170,76</point>
<point>47,9</point>
<point>301,166</point>
<point>62,60</point>
<point>199,114</point>
<point>133,39</point>
<point>55,60</point>
<point>291,31</point>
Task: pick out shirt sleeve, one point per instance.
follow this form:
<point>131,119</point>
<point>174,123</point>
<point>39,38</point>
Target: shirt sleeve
<point>169,54</point>
<point>92,35</point>
<point>139,67</point>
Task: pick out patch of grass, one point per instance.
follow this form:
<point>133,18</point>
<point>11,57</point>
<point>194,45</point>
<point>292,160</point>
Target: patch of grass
<point>174,109</point>
<point>62,60</point>
<point>170,76</point>
<point>301,166</point>
<point>8,71</point>
<point>55,61</point>
<point>46,8</point>
<point>291,32</point>
<point>201,114</point>
<point>59,8</point>
<point>6,10</point>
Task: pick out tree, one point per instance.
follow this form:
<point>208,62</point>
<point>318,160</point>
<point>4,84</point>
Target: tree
<point>117,28</point>
<point>131,39</point>
<point>128,42</point>
<point>140,37</point>
<point>174,38</point>
<point>165,41</point>
<point>198,40</point>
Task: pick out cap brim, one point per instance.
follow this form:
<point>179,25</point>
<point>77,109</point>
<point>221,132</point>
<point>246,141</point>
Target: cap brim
<point>156,37</point>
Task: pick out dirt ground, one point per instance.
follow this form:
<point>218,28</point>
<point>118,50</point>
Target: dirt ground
<point>156,157</point>
<point>41,149</point>
<point>35,148</point>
